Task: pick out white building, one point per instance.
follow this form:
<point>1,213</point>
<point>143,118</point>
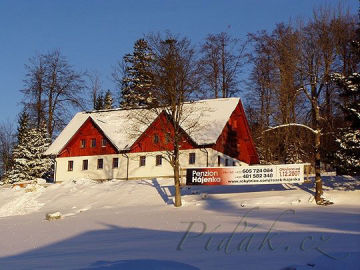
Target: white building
<point>133,144</point>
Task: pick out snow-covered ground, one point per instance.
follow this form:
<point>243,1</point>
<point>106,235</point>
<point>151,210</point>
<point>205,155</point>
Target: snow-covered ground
<point>133,225</point>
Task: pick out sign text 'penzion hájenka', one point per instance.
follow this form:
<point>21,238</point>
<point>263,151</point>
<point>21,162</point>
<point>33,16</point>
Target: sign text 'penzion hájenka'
<point>246,175</point>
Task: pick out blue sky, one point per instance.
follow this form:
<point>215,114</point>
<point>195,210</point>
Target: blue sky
<point>95,34</point>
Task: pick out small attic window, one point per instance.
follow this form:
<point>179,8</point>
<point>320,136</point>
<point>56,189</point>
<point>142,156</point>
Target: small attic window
<point>156,138</point>
<point>83,143</point>
<point>93,143</point>
<point>103,142</point>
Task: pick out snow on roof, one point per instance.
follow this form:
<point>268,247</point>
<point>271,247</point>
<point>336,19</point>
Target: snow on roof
<point>203,120</point>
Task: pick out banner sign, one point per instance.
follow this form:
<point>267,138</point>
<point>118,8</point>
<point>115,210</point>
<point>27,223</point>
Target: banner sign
<point>246,175</point>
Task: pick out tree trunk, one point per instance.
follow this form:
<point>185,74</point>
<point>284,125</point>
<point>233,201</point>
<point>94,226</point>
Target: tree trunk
<point>177,179</point>
<point>223,75</point>
<point>50,116</point>
<point>318,180</point>
<point>177,187</point>
<point>216,83</point>
<point>39,107</point>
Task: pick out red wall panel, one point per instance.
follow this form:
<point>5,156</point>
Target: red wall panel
<point>87,132</point>
<point>235,139</point>
<point>163,129</point>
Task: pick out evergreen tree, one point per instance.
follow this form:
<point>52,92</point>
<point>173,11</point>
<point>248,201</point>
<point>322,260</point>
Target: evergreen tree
<point>39,141</point>
<point>29,160</point>
<point>108,100</point>
<point>19,171</point>
<point>23,127</point>
<point>137,83</point>
<point>348,155</point>
<point>99,104</point>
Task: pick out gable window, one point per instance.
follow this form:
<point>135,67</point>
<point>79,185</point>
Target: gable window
<point>156,138</point>
<point>85,164</point>
<point>115,162</point>
<point>103,142</point>
<point>192,158</point>
<point>100,163</point>
<point>70,165</point>
<point>219,161</point>
<point>93,143</point>
<point>83,143</point>
<point>158,160</point>
<point>142,161</point>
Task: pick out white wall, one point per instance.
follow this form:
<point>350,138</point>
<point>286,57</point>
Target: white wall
<point>149,171</point>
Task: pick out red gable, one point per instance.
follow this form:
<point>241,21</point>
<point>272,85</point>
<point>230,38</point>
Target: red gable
<point>155,137</point>
<point>88,141</point>
<point>235,139</point>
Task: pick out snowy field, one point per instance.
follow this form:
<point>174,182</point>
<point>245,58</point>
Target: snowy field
<point>133,225</point>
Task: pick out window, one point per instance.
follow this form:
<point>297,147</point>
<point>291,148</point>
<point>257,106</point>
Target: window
<point>226,162</point>
<point>219,161</point>
<point>158,160</point>
<point>85,164</point>
<point>191,158</point>
<point>100,163</point>
<point>156,139</point>
<point>115,162</point>
<point>70,165</point>
<point>83,143</point>
<point>93,143</point>
<point>103,142</point>
<point>142,161</point>
<point>234,164</point>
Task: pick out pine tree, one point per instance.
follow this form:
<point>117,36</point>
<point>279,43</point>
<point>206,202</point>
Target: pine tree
<point>19,171</point>
<point>99,104</point>
<point>108,100</point>
<point>137,83</point>
<point>39,141</point>
<point>23,127</point>
<point>348,155</point>
<point>29,160</point>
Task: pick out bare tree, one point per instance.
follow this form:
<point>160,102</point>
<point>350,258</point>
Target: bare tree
<point>117,74</point>
<point>220,64</point>
<point>318,62</point>
<point>274,89</point>
<point>94,86</point>
<point>52,87</point>
<point>35,87</point>
<point>7,140</point>
<point>295,64</point>
<point>175,79</point>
